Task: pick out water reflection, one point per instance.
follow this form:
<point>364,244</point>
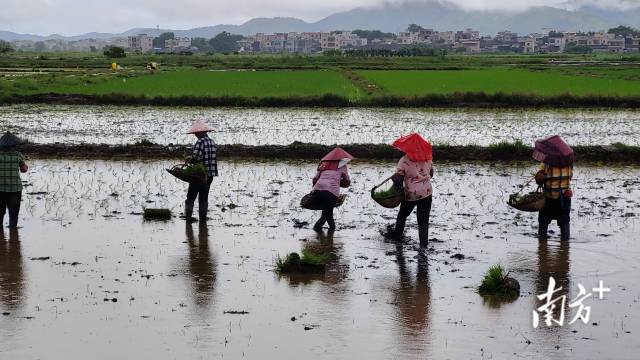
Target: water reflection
<point>553,260</point>
<point>202,266</point>
<point>413,296</point>
<point>11,270</point>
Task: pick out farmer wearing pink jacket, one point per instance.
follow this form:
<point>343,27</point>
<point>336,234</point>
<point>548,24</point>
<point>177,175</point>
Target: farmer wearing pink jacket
<point>332,174</point>
<point>414,173</point>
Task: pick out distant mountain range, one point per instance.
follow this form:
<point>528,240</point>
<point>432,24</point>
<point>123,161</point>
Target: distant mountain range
<point>437,15</point>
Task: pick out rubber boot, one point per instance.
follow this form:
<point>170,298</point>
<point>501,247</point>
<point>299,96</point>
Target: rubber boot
<point>398,232</point>
<point>542,231</point>
<point>188,211</point>
<point>332,225</point>
<point>13,216</point>
<point>565,231</point>
<point>203,209</point>
<point>423,234</point>
<point>319,224</point>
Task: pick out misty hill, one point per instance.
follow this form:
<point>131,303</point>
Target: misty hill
<point>442,17</point>
<point>395,17</point>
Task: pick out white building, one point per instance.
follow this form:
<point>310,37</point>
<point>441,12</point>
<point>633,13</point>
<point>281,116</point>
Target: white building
<point>448,37</point>
<point>179,43</point>
<point>472,46</point>
<point>528,45</point>
<point>140,43</point>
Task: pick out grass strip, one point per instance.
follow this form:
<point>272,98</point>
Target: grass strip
<point>457,100</point>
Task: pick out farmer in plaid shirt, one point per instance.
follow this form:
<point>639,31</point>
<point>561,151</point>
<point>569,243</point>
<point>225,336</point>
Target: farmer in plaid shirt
<point>204,151</point>
<point>11,164</point>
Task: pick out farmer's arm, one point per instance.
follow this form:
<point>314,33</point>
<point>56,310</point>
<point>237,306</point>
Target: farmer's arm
<point>398,177</point>
<point>315,178</point>
<point>198,152</point>
<point>23,166</point>
<point>541,175</point>
<point>345,180</point>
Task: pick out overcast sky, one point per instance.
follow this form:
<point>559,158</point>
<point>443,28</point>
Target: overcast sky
<point>73,17</point>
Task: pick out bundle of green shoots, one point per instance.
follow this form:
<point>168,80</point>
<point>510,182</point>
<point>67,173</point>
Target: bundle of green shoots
<point>390,192</point>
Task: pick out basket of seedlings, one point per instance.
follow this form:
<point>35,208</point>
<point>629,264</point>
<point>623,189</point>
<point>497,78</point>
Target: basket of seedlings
<point>191,173</point>
<point>310,202</point>
<point>389,198</point>
<point>533,201</point>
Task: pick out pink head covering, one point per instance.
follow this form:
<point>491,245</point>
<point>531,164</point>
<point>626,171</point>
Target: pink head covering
<point>199,126</point>
<point>338,155</point>
<point>553,151</point>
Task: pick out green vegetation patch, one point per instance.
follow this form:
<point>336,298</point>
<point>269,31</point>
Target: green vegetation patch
<point>223,83</point>
<point>498,286</point>
<point>497,80</point>
<point>310,262</point>
<point>506,147</point>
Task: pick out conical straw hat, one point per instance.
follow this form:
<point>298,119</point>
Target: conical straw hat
<point>199,126</point>
<point>9,140</point>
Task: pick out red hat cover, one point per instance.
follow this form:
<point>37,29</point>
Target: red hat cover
<point>415,146</point>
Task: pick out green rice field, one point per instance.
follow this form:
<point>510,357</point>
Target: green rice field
<point>491,81</point>
<point>223,83</point>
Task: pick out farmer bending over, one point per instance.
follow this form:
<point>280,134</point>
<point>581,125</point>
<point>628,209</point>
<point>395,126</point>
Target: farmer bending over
<point>332,174</point>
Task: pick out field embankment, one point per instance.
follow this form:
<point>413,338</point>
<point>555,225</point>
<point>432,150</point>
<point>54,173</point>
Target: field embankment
<point>303,151</point>
<point>453,100</point>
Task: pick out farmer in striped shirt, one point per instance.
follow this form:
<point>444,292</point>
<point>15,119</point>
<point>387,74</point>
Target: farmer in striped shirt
<point>11,164</point>
<point>204,152</point>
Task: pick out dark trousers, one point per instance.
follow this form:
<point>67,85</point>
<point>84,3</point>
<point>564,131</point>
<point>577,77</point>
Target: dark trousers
<point>202,193</point>
<point>10,201</point>
<point>327,200</point>
<point>555,209</point>
<point>424,210</point>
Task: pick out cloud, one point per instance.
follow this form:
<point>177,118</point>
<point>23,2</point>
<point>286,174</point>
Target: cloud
<point>69,17</point>
<point>564,4</point>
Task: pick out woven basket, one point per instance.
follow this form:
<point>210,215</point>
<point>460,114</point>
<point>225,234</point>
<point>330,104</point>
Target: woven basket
<point>389,199</point>
<point>180,172</point>
<point>533,201</point>
<point>308,202</point>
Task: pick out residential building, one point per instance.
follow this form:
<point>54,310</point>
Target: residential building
<point>177,44</point>
<point>528,45</point>
<point>471,46</point>
<point>140,43</point>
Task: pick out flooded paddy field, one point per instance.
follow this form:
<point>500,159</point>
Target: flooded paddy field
<point>124,125</point>
<point>85,276</point>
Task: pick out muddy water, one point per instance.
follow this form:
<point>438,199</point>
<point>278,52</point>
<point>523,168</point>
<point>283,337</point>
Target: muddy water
<point>117,125</point>
<point>85,278</point>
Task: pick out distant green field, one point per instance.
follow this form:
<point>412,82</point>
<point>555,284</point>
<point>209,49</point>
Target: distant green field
<point>491,81</point>
<point>223,83</point>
